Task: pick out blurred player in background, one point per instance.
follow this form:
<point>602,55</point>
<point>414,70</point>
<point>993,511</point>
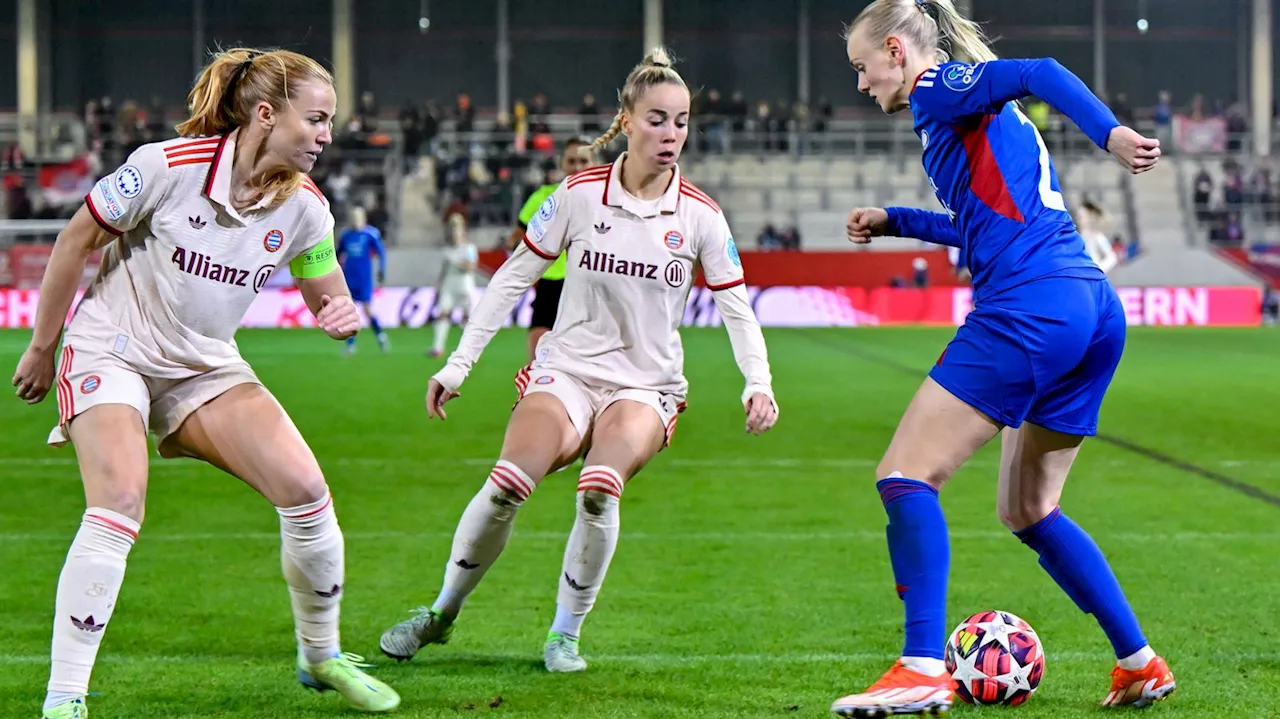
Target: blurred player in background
<point>576,156</point>
<point>1034,358</point>
<point>190,229</point>
<point>457,282</point>
<point>1091,223</point>
<point>356,249</point>
<point>608,379</point>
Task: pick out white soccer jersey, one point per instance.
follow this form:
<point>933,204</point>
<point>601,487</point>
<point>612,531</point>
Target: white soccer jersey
<point>456,258</point>
<point>185,266</point>
<point>630,268</point>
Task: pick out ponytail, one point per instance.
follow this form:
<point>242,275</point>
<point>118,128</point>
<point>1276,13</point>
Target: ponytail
<point>931,24</point>
<point>959,37</point>
<point>212,100</point>
<point>656,68</point>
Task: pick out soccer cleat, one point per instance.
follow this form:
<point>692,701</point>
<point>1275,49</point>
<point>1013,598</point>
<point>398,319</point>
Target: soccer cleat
<point>405,639</point>
<point>384,342</point>
<point>343,674</point>
<point>900,691</point>
<point>1140,688</point>
<point>74,709</point>
<point>561,654</point>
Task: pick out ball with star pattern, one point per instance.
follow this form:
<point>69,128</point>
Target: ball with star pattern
<point>995,658</point>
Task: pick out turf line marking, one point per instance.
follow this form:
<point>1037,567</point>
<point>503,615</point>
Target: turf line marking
<point>662,537</point>
<point>1156,456</point>
<point>445,659</point>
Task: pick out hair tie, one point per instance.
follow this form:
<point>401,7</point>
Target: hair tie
<point>927,8</point>
<point>241,72</point>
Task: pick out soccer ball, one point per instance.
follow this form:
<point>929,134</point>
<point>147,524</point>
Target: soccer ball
<point>995,658</point>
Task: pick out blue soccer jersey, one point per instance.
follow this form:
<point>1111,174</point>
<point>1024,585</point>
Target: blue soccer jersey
<point>992,173</point>
<point>356,250</point>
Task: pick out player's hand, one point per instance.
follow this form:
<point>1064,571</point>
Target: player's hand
<point>865,223</point>
<point>338,316</point>
<point>34,375</point>
<point>1137,153</point>
<point>762,413</point>
<point>437,395</point>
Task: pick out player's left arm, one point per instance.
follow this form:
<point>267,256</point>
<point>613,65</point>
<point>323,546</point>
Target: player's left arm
<point>959,91</point>
<point>323,286</point>
<point>379,248</point>
<point>722,267</point>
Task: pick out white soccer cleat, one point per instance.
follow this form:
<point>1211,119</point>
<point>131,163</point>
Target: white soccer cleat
<point>561,654</point>
<point>425,627</point>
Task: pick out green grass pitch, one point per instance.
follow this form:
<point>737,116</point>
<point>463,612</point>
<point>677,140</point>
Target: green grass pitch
<point>751,579</point>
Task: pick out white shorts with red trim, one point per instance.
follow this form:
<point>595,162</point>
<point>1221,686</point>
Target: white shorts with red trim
<point>91,374</point>
<point>585,402</point>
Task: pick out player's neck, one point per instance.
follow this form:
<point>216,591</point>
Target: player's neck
<point>644,183</point>
<point>249,169</point>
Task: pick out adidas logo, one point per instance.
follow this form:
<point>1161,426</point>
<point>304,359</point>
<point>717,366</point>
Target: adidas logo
<point>574,585</point>
<point>337,589</point>
<point>196,222</point>
<point>87,624</point>
<point>602,228</point>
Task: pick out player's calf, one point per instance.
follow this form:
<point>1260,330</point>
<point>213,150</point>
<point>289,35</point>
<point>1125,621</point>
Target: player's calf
<point>88,593</point>
<point>481,536</point>
<point>313,560</point>
<point>586,562</point>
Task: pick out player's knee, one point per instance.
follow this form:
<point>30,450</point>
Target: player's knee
<point>898,467</point>
<point>507,488</point>
<point>124,499</point>
<point>305,489</point>
<point>1017,516</point>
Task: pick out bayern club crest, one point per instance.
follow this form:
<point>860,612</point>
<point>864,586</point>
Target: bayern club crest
<point>90,384</point>
<point>674,240</point>
<point>273,241</point>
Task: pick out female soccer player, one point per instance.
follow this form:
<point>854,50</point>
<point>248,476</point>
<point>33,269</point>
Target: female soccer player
<point>1034,358</point>
<point>457,282</point>
<point>577,155</point>
<point>608,379</point>
<point>356,247</point>
<point>191,229</point>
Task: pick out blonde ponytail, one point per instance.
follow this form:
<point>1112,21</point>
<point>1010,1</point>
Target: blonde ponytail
<point>959,37</point>
<point>230,88</point>
<point>930,24</point>
<point>656,68</point>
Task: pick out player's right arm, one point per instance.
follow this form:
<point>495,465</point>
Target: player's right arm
<point>115,205</point>
<point>522,220</point>
<point>540,246</point>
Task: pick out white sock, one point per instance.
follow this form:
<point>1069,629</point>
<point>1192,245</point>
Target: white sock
<point>567,623</point>
<point>482,534</point>
<point>88,590</point>
<point>591,543</point>
<point>927,666</point>
<point>441,333</point>
<point>1138,659</point>
<point>312,556</point>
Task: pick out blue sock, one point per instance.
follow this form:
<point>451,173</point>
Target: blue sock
<point>351,340</point>
<point>1074,561</point>
<point>921,558</point>
<point>377,328</point>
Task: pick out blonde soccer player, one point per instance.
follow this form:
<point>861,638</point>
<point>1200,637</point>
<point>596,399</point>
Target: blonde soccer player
<point>191,229</point>
<point>1031,364</point>
<point>608,379</point>
<point>457,282</point>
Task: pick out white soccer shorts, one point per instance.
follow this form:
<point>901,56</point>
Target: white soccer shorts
<point>585,403</point>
